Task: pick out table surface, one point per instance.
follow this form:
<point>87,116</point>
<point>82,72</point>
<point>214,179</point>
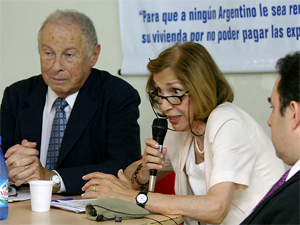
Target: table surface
<point>20,213</point>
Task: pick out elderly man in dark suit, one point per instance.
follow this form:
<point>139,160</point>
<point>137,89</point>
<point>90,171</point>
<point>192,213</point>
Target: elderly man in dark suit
<point>281,204</point>
<point>96,115</point>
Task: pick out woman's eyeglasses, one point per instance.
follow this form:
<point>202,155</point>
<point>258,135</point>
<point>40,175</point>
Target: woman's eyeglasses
<point>173,100</point>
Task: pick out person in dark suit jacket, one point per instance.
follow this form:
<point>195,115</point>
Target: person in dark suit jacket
<point>102,132</point>
<point>282,206</point>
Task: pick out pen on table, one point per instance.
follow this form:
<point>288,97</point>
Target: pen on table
<point>62,199</point>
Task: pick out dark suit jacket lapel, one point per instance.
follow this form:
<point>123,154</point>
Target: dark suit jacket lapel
<point>265,202</point>
<point>82,112</point>
<point>31,118</point>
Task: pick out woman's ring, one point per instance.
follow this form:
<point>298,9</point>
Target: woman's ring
<point>94,188</point>
<point>26,167</point>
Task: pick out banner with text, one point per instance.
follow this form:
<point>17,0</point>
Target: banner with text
<point>241,36</point>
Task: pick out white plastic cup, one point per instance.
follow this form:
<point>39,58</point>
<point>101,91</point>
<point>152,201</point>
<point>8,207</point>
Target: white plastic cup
<point>40,193</point>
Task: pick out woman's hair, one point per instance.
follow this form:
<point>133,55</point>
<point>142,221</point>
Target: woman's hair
<point>73,17</point>
<point>196,70</point>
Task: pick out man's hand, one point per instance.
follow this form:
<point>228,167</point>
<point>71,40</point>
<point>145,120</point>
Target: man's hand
<point>23,164</point>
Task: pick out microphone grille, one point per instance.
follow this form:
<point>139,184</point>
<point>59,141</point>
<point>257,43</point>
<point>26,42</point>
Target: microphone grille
<point>160,126</point>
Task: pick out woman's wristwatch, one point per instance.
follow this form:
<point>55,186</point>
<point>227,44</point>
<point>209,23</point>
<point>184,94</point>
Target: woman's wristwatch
<point>142,198</point>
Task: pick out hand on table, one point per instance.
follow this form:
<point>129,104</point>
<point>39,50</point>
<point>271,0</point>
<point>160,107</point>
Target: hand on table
<point>23,164</point>
<point>101,185</point>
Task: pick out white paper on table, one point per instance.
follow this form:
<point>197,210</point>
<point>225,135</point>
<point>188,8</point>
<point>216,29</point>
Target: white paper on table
<point>77,206</point>
<point>23,194</point>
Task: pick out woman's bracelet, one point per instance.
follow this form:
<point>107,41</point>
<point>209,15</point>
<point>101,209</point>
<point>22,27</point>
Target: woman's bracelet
<point>134,178</point>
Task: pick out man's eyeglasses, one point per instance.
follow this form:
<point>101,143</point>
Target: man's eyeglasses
<point>173,100</point>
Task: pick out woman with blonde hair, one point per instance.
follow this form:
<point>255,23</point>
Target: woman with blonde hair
<point>223,161</point>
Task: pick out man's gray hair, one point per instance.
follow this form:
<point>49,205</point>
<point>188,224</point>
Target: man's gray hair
<point>74,17</point>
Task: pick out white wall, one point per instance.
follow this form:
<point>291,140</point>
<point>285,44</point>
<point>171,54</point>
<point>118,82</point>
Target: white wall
<point>19,59</point>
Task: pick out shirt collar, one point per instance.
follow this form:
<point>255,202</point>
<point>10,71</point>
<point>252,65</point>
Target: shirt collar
<point>294,169</point>
<point>51,97</point>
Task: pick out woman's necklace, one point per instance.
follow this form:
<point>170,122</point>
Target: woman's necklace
<point>197,147</point>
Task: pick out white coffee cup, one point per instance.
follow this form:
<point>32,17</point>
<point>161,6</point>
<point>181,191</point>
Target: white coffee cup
<point>40,193</point>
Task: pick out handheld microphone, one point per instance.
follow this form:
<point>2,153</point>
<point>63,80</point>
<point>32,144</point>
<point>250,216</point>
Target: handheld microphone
<point>159,130</point>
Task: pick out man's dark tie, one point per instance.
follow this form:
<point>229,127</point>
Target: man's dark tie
<point>57,133</point>
<point>275,187</point>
